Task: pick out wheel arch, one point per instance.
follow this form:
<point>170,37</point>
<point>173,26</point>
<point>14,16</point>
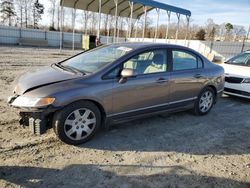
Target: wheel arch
<point>100,107</point>
<point>95,102</point>
<point>214,88</point>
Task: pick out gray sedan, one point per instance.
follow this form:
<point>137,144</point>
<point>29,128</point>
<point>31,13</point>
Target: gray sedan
<point>115,83</point>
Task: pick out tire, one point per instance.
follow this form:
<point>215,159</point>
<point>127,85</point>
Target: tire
<point>204,102</point>
<point>77,123</point>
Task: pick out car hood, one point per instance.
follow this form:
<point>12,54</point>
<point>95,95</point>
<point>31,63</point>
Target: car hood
<point>42,77</point>
<point>236,70</point>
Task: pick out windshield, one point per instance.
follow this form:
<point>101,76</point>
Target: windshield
<point>94,60</point>
<point>242,60</point>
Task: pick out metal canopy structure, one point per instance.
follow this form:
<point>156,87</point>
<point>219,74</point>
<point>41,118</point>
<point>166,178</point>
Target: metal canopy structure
<point>123,7</point>
<point>132,9</point>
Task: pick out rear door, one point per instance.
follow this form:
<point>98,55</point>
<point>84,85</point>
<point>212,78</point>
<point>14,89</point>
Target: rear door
<point>187,76</point>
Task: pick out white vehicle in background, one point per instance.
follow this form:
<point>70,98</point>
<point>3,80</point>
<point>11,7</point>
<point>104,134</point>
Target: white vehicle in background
<point>237,78</point>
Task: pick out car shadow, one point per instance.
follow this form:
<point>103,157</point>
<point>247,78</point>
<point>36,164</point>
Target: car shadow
<point>79,175</point>
<point>216,133</point>
<point>232,98</point>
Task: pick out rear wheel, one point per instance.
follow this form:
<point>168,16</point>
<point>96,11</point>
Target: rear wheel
<point>77,123</point>
<point>204,102</point>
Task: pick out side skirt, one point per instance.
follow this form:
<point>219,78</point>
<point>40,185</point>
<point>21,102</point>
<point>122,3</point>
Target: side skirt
<point>170,108</point>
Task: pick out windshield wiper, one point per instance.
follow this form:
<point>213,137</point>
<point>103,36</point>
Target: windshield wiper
<point>75,69</point>
<point>68,68</point>
<point>62,67</point>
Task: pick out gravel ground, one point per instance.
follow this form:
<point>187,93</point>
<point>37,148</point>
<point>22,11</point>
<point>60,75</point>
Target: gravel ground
<point>177,150</point>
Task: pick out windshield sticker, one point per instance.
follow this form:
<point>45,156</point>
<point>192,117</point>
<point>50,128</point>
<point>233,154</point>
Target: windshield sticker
<point>124,49</point>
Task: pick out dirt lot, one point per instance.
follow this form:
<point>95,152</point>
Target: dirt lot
<point>179,150</point>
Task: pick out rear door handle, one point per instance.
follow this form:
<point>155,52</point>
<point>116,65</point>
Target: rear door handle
<point>198,76</point>
<point>161,80</point>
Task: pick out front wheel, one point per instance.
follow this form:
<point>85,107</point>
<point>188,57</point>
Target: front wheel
<point>204,102</point>
<point>77,123</point>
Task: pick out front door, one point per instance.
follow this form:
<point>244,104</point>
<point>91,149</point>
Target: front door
<point>148,90</point>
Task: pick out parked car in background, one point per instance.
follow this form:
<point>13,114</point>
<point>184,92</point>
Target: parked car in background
<point>115,83</point>
<point>237,79</point>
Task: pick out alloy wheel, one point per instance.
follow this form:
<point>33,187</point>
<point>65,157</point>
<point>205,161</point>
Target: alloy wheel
<point>80,124</point>
<point>206,101</point>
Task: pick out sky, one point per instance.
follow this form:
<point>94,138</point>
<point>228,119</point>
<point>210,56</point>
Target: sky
<point>221,11</point>
<point>236,12</point>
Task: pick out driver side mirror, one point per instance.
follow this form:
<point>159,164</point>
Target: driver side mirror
<point>125,74</point>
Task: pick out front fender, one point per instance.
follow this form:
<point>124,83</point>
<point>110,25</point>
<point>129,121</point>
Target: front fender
<point>72,91</point>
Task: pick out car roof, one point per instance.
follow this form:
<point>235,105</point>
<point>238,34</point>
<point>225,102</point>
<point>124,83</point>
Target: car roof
<point>139,45</point>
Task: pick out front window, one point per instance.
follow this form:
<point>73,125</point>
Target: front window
<point>148,62</point>
<point>94,60</point>
<point>242,60</point>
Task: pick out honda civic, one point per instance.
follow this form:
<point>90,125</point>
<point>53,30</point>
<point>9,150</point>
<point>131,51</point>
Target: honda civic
<point>112,84</point>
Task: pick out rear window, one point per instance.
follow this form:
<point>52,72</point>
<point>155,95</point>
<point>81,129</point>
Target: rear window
<point>183,60</point>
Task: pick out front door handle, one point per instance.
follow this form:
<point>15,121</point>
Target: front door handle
<point>161,80</point>
<point>198,76</point>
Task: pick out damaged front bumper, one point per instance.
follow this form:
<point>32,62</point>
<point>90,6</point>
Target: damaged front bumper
<point>37,119</point>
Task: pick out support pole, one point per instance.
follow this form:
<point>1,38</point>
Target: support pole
<point>61,27</point>
<point>116,9</point>
<point>178,26</point>
<point>118,30</point>
<point>157,24</point>
<point>246,37</point>
<point>131,4</point>
<point>99,19</point>
<point>136,28</point>
<point>20,33</point>
<point>187,29</point>
<point>127,32</point>
<point>108,28</point>
<point>167,31</point>
<point>86,24</point>
<point>145,22</point>
<point>73,25</point>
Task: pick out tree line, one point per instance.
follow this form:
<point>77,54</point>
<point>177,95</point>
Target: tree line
<point>23,13</point>
<point>28,14</point>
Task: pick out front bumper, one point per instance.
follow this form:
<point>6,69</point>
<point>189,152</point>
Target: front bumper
<point>238,89</point>
<point>37,119</point>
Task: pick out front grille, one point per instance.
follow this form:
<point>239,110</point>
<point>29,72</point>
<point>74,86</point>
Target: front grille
<point>234,80</point>
<point>237,92</point>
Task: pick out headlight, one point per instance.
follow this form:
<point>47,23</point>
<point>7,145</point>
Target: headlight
<point>22,101</point>
<point>246,81</point>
